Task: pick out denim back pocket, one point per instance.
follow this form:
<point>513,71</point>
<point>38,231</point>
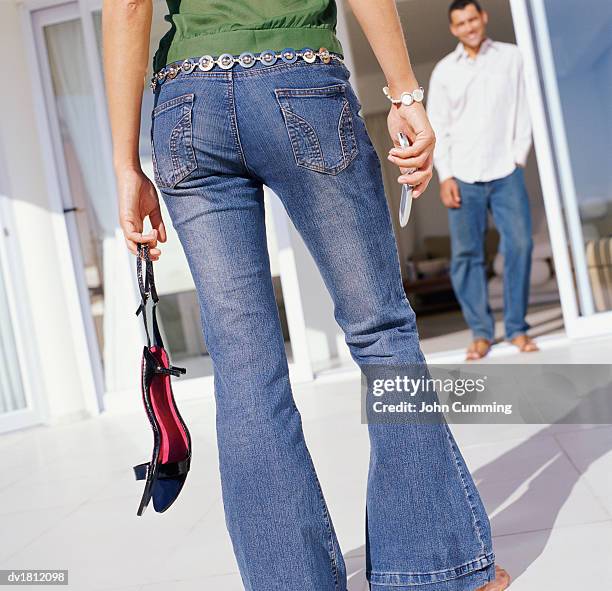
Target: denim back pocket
<point>320,126</point>
<point>171,141</point>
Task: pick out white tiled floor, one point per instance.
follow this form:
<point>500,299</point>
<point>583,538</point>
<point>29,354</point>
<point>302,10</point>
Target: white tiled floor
<point>68,498</point>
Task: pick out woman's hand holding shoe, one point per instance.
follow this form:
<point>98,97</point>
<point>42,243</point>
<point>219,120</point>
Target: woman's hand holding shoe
<point>138,199</point>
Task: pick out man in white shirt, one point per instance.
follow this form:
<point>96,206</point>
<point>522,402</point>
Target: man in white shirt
<point>478,109</point>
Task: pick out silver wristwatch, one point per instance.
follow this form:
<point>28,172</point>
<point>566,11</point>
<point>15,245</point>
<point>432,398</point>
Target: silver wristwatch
<point>406,98</point>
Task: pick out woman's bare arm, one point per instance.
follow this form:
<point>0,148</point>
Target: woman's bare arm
<point>381,25</point>
<point>126,30</point>
<point>380,22</point>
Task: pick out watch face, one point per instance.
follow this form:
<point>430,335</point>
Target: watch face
<point>407,99</point>
<point>418,94</point>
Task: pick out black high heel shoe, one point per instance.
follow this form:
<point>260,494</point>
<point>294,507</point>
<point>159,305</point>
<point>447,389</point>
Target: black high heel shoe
<point>165,474</point>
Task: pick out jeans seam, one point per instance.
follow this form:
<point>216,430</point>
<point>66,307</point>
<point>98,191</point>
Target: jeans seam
<point>433,572</point>
<point>183,127</point>
<point>234,123</point>
<point>296,125</point>
<point>293,92</point>
<point>309,132</point>
<point>475,520</point>
<point>331,550</point>
<point>399,284</point>
<point>346,131</point>
<point>171,103</point>
<point>340,131</point>
<point>436,576</point>
<point>280,67</point>
<point>326,519</point>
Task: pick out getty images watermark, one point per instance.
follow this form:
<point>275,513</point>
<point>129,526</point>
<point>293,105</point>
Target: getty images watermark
<point>487,393</point>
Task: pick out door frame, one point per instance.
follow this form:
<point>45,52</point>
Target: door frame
<point>35,15</point>
<point>555,172</point>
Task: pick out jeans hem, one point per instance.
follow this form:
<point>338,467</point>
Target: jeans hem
<point>482,336</point>
<point>515,334</point>
<point>477,335</point>
<point>395,579</point>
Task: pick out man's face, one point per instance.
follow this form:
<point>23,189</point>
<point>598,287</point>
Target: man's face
<point>469,25</point>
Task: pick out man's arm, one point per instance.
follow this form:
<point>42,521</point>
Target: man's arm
<point>439,111</point>
<point>522,125</point>
<point>381,25</point>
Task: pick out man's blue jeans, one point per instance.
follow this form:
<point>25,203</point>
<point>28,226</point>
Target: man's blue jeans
<point>509,204</point>
<point>217,137</point>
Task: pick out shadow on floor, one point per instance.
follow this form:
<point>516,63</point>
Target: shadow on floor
<point>539,471</point>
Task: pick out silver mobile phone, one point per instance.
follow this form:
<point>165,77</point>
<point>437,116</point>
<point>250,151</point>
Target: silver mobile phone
<point>406,199</point>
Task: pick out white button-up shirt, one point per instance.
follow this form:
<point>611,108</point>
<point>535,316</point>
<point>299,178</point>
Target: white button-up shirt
<point>478,110</point>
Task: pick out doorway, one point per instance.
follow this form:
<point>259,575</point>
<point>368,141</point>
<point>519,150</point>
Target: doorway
<point>79,170</point>
<point>574,143</point>
<point>424,244</point>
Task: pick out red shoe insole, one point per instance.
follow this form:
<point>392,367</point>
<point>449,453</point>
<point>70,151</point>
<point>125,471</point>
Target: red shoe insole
<point>173,439</point>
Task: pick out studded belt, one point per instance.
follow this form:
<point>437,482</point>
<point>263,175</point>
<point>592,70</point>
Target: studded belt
<point>225,61</point>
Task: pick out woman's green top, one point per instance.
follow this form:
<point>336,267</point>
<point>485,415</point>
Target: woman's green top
<point>200,27</point>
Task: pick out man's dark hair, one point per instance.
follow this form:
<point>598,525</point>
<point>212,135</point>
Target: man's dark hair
<point>461,4</point>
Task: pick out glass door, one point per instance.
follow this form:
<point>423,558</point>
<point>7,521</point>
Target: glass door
<point>81,166</point>
<point>12,395</point>
<point>19,405</point>
<point>13,402</point>
<point>571,96</point>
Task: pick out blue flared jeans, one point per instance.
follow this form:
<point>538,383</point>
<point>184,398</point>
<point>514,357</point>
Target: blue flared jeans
<point>217,138</point>
<point>508,201</point>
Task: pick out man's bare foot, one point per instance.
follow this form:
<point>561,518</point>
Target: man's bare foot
<point>524,343</point>
<point>478,349</point>
<point>501,582</point>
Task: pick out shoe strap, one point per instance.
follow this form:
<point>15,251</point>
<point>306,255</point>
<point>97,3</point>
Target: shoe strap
<point>173,370</point>
<point>169,470</point>
<point>146,285</point>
